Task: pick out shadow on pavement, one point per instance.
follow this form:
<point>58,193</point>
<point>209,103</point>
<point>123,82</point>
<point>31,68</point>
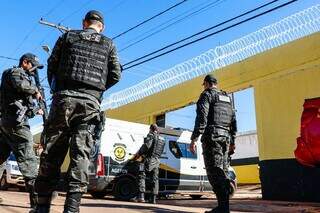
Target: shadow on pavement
<point>258,205</point>
<point>135,207</point>
<point>13,206</point>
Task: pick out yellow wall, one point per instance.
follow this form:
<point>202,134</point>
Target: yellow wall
<point>282,78</point>
<point>248,174</point>
<point>279,104</point>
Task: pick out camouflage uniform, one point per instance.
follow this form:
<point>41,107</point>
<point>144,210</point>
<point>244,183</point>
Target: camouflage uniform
<point>15,135</point>
<point>83,64</point>
<point>70,124</point>
<point>151,151</point>
<point>216,121</point>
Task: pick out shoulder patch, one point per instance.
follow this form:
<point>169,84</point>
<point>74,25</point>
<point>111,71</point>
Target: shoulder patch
<point>224,98</point>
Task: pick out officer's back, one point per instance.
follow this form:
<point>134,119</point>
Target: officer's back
<point>84,61</point>
<point>83,64</point>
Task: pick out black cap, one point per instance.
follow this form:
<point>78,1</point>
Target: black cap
<point>210,79</point>
<point>31,58</point>
<point>94,15</point>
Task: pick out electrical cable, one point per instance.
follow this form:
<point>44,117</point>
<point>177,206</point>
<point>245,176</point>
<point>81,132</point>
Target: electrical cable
<point>202,9</point>
<point>201,38</point>
<point>149,19</point>
<point>203,31</point>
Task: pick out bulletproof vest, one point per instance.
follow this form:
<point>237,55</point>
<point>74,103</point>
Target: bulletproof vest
<point>2,93</point>
<point>10,96</point>
<point>157,147</point>
<point>8,93</point>
<point>221,111</point>
<point>84,59</point>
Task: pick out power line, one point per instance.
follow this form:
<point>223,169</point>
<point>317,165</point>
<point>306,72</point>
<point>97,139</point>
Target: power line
<point>6,57</point>
<point>202,9</point>
<point>76,11</point>
<point>199,33</point>
<point>31,31</point>
<point>42,21</point>
<point>201,38</point>
<point>53,8</point>
<point>115,7</point>
<point>149,19</point>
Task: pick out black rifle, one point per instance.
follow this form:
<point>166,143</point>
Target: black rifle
<point>41,103</point>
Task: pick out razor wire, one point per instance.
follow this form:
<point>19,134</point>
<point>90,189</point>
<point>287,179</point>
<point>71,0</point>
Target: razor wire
<point>293,27</point>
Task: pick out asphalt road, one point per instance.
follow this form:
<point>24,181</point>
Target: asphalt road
<point>247,199</point>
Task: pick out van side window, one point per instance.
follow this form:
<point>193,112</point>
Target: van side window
<point>174,148</point>
<point>181,150</point>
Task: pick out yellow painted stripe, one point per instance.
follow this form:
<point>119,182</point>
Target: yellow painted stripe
<point>168,168</point>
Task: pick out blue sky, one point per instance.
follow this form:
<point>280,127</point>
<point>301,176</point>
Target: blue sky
<point>21,32</point>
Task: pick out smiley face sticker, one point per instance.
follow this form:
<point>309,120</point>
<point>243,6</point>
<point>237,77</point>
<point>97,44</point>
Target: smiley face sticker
<point>119,153</point>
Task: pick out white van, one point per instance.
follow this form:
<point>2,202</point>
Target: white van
<point>11,175</point>
<point>112,171</point>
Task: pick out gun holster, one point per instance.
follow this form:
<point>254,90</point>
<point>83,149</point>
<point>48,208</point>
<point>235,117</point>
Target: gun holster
<point>20,110</point>
<point>99,126</point>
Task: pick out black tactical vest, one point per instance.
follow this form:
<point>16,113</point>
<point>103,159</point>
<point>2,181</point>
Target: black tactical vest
<point>221,112</point>
<point>9,94</point>
<point>2,90</point>
<point>85,59</point>
<point>157,147</point>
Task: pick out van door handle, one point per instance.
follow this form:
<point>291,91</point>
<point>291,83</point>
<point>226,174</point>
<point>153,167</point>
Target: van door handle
<point>193,167</point>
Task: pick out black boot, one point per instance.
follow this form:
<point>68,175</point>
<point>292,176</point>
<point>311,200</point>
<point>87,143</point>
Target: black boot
<point>42,204</point>
<point>32,194</point>
<point>33,200</point>
<point>72,202</point>
<point>41,209</point>
<point>153,199</point>
<point>222,194</point>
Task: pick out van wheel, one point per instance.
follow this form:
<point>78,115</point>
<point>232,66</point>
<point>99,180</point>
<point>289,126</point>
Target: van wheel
<point>233,188</point>
<point>195,197</point>
<point>98,194</point>
<point>125,189</point>
<point>3,182</point>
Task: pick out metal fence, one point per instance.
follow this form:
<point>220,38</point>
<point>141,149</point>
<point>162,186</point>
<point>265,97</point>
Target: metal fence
<point>288,29</point>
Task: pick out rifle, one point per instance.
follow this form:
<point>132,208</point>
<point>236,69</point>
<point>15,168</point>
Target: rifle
<point>41,103</point>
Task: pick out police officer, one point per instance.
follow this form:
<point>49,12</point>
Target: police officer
<point>150,152</point>
<point>216,122</point>
<point>17,94</point>
<point>83,64</point>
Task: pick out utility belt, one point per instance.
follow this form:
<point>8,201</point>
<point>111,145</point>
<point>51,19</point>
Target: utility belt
<point>217,130</point>
<point>78,87</point>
